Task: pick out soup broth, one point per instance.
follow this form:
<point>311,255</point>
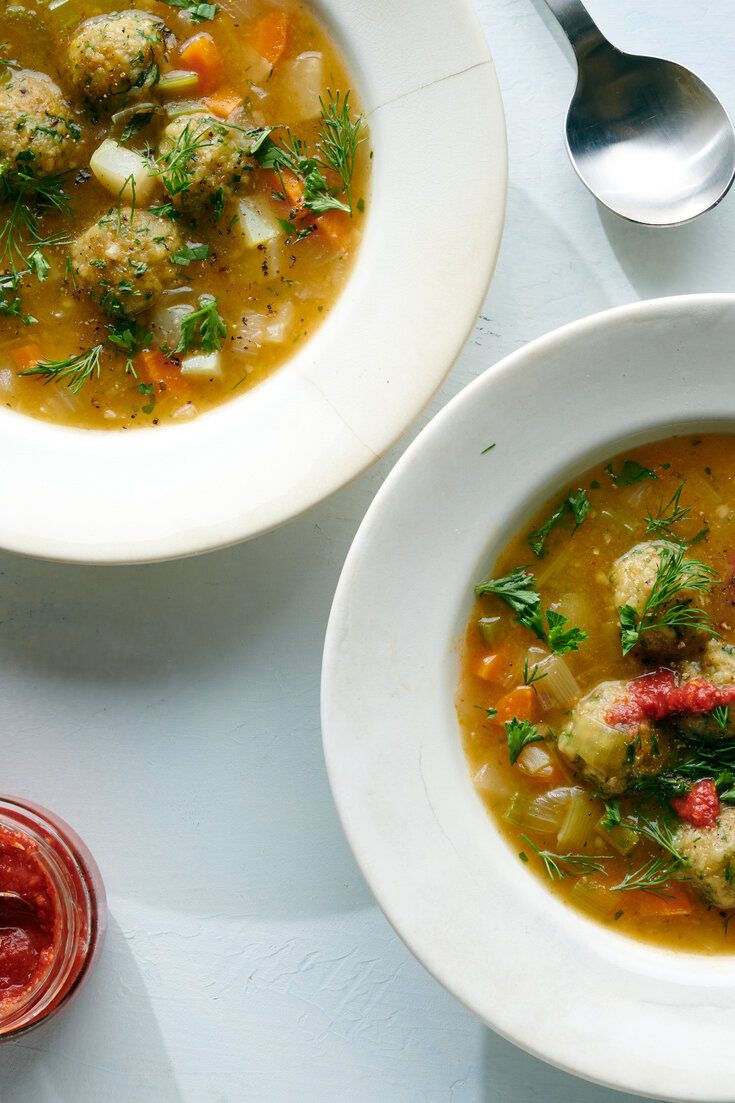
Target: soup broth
<point>184,190</point>
<point>597,693</point>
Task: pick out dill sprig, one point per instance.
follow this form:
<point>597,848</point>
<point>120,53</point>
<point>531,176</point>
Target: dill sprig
<point>336,151</point>
<point>74,372</point>
<point>659,870</point>
<point>664,607</point>
<point>340,138</point>
<point>669,514</point>
<point>559,866</point>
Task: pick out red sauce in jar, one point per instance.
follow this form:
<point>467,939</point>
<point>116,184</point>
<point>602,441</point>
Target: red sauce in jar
<point>27,934</point>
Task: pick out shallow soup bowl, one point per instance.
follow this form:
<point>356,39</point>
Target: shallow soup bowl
<point>594,1002</point>
<point>427,84</point>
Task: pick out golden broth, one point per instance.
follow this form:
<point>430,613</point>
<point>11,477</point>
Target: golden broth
<point>573,578</point>
<point>271,297</point>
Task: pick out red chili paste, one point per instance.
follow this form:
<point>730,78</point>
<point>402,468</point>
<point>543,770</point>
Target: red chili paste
<point>656,696</point>
<point>26,936</point>
<point>701,806</point>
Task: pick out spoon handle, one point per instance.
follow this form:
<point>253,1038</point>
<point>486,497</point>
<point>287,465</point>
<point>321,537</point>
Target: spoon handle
<point>578,25</point>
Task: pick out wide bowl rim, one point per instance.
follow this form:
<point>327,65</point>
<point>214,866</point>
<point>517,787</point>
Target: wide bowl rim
<point>328,436</point>
<point>343,619</point>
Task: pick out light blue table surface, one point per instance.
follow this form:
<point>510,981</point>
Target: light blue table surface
<point>171,714</point>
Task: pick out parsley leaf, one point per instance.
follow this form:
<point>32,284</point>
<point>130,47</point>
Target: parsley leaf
<point>203,328</point>
<point>199,12</point>
<point>561,639</point>
<point>518,590</point>
<point>631,472</point>
<point>520,734</point>
<point>575,504</point>
<point>187,253</point>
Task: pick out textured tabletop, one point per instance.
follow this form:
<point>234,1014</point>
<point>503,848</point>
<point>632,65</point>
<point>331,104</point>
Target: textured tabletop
<point>171,713</point>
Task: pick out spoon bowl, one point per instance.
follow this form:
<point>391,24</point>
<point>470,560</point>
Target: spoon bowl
<point>649,139</point>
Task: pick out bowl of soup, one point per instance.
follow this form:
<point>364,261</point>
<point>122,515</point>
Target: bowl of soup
<point>529,690</point>
<point>234,256</point>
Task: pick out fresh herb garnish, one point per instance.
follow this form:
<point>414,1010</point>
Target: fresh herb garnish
<point>73,372</point>
<point>187,253</point>
<point>658,871</point>
<point>559,866</point>
<point>203,328</point>
<point>631,472</point>
<point>199,12</point>
<point>518,590</point>
<point>488,449</point>
<point>137,122</point>
<point>532,674</point>
<point>519,734</point>
<point>613,816</point>
<point>721,715</point>
<point>668,515</point>
<point>336,151</point>
<point>576,505</point>
<point>664,607</point>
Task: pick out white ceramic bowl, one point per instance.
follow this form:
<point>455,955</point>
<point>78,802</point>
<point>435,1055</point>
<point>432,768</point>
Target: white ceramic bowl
<point>433,232</point>
<point>576,994</point>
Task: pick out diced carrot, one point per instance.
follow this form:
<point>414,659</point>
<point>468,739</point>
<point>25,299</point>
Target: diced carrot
<point>153,367</point>
<point>335,228</point>
<point>520,703</point>
<point>270,36</point>
<point>287,185</point>
<point>200,54</point>
<point>26,356</point>
<point>224,102</point>
<point>494,667</point>
<point>677,901</point>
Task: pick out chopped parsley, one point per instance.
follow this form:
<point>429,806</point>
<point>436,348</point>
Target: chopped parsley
<point>576,505</point>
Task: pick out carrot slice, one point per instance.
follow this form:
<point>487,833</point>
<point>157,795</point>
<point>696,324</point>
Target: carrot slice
<point>676,902</point>
<point>520,703</point>
<point>335,227</point>
<point>152,366</point>
<point>224,102</point>
<point>27,356</point>
<point>200,54</point>
<point>493,667</point>
<point>270,36</point>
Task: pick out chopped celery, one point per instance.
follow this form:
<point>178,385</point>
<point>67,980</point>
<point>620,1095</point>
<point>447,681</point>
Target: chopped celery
<point>542,814</point>
<point>581,815</point>
<point>593,896</point>
<point>178,83</point>
<point>556,686</point>
<point>619,837</point>
<point>183,107</point>
<point>489,628</point>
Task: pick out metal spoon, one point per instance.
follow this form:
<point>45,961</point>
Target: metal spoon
<point>649,139</point>
<point>15,911</point>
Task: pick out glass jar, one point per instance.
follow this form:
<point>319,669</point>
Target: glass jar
<point>49,939</point>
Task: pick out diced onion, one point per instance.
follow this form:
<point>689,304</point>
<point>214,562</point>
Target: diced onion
<point>492,782</point>
<point>256,222</point>
<point>204,365</point>
<point>167,321</point>
<point>179,83</point>
<point>256,68</point>
<point>304,79</point>
<point>555,685</point>
<point>536,761</point>
<point>114,166</point>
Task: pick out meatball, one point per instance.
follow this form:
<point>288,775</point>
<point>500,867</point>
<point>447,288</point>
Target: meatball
<point>112,55</point>
<point>203,160</point>
<point>608,752</point>
<point>632,577</point>
<point>124,260</point>
<point>710,853</point>
<point>714,662</point>
<point>36,126</point>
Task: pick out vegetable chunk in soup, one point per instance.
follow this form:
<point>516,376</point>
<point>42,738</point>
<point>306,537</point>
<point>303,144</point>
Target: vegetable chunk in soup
<point>597,693</point>
<point>183,187</point>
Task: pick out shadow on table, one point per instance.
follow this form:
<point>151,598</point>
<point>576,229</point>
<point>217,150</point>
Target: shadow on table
<point>83,1046</point>
<point>676,261</point>
<point>153,655</point>
<point>512,1076</point>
